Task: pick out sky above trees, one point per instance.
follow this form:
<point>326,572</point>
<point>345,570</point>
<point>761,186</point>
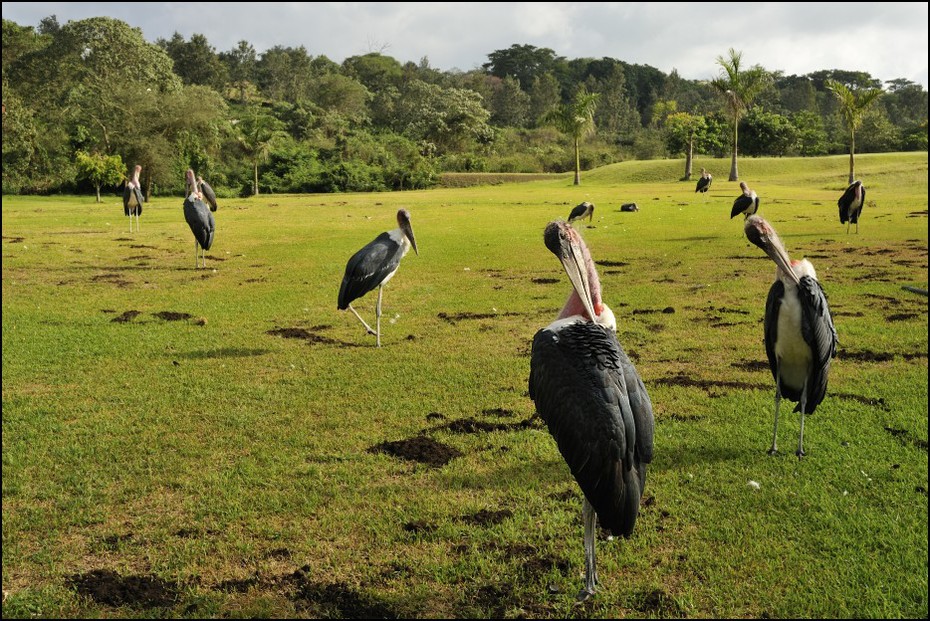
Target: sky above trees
<point>888,39</point>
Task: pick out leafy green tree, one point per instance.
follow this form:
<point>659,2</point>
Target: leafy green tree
<point>442,119</point>
<point>240,62</point>
<point>284,73</point>
<point>99,169</point>
<point>576,120</point>
<point>257,134</point>
<point>522,62</point>
<point>509,104</point>
<point>374,70</point>
<point>768,133</point>
<point>342,94</point>
<point>739,87</point>
<point>683,133</point>
<point>812,138</point>
<point>853,104</point>
<point>196,61</point>
<point>544,95</point>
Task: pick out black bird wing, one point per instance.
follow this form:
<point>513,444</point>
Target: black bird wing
<point>845,202</point>
<point>200,220</point>
<point>129,192</point>
<point>578,211</point>
<point>772,307</point>
<point>702,184</point>
<point>209,195</point>
<point>744,204</point>
<point>368,268</point>
<point>819,333</point>
<point>854,213</point>
<point>599,413</point>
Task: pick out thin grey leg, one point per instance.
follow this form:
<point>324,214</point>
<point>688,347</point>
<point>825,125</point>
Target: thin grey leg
<point>378,313</point>
<point>774,449</point>
<point>800,452</point>
<point>367,327</point>
<point>589,518</point>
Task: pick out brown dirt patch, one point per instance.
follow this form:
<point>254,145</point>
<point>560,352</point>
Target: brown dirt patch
<point>906,437</point>
<point>684,380</point>
<point>421,449</point>
<point>308,335</point>
<point>172,316</point>
<point>126,317</point>
<point>545,281</point>
<point>485,517</point>
<point>864,355</point>
<point>751,365</point>
<point>611,263</point>
<point>107,587</point>
<point>456,317</point>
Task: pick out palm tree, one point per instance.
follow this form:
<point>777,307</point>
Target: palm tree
<point>258,132</point>
<point>740,87</point>
<point>853,104</point>
<point>575,119</point>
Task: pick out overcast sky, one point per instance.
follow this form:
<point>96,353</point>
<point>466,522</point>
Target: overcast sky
<point>887,39</point>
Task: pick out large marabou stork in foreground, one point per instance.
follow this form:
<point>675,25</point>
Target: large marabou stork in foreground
<point>800,339</point>
<point>374,265</point>
<point>208,194</point>
<point>596,407</point>
<point>746,203</point>
<point>703,184</point>
<point>199,218</point>
<point>132,197</point>
<point>851,203</point>
<point>584,210</point>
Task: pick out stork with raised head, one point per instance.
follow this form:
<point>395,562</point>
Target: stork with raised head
<point>800,339</point>
<point>199,218</point>
<point>746,203</point>
<point>209,196</point>
<point>374,265</point>
<point>703,184</point>
<point>593,401</point>
<point>132,198</point>
<point>584,210</point>
<point>851,203</point>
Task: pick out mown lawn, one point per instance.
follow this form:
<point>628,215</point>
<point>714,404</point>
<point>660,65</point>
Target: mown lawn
<point>224,442</point>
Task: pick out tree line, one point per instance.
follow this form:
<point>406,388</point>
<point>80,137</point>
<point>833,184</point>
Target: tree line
<point>86,101</point>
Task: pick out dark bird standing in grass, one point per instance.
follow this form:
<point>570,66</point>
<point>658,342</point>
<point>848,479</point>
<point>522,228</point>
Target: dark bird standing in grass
<point>800,339</point>
<point>851,203</point>
<point>209,196</point>
<point>199,218</point>
<point>584,210</point>
<point>374,265</point>
<point>703,184</point>
<point>593,401</point>
<point>132,198</point>
<point>746,203</point>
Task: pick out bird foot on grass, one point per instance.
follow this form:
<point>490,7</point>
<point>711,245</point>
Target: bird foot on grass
<point>583,596</point>
<point>800,453</point>
<point>773,451</point>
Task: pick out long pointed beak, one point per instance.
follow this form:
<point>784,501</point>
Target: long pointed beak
<point>760,233</point>
<point>573,262</point>
<point>408,231</point>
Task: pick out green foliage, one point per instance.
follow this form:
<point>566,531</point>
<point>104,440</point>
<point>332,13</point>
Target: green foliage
<point>99,169</point>
<point>442,119</point>
<point>768,133</point>
<point>575,120</point>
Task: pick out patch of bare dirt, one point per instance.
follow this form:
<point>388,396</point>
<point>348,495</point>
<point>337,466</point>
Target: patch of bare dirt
<point>308,335</point>
<point>611,263</point>
<point>109,588</point>
<point>545,281</point>
<point>172,316</point>
<point>879,403</point>
<point>658,603</point>
<point>421,449</point>
<point>484,517</point>
<point>668,310</point>
<point>864,355</point>
<point>14,240</point>
<point>751,365</point>
<point>126,317</point>
<point>684,380</point>
<point>456,317</point>
<point>419,527</point>
<point>902,316</point>
<point>907,437</point>
<point>112,278</point>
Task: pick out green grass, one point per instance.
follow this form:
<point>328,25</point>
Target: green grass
<point>205,467</point>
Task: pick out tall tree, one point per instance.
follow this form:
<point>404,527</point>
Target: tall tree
<point>739,87</point>
<point>259,131</point>
<point>853,104</point>
<point>683,132</point>
<point>241,61</point>
<point>576,120</point>
<point>99,169</point>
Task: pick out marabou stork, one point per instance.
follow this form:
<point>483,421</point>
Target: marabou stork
<point>800,339</point>
<point>208,194</point>
<point>374,265</point>
<point>199,218</point>
<point>593,401</point>
<point>132,198</point>
<point>584,210</point>
<point>703,184</point>
<point>746,203</point>
<point>851,203</point>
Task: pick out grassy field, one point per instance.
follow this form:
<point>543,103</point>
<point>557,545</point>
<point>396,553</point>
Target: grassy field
<point>224,442</point>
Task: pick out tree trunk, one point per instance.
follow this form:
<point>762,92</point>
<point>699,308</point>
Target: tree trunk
<point>255,174</point>
<point>734,172</point>
<point>689,156</point>
<point>98,192</point>
<point>577,163</point>
<point>852,160</point>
